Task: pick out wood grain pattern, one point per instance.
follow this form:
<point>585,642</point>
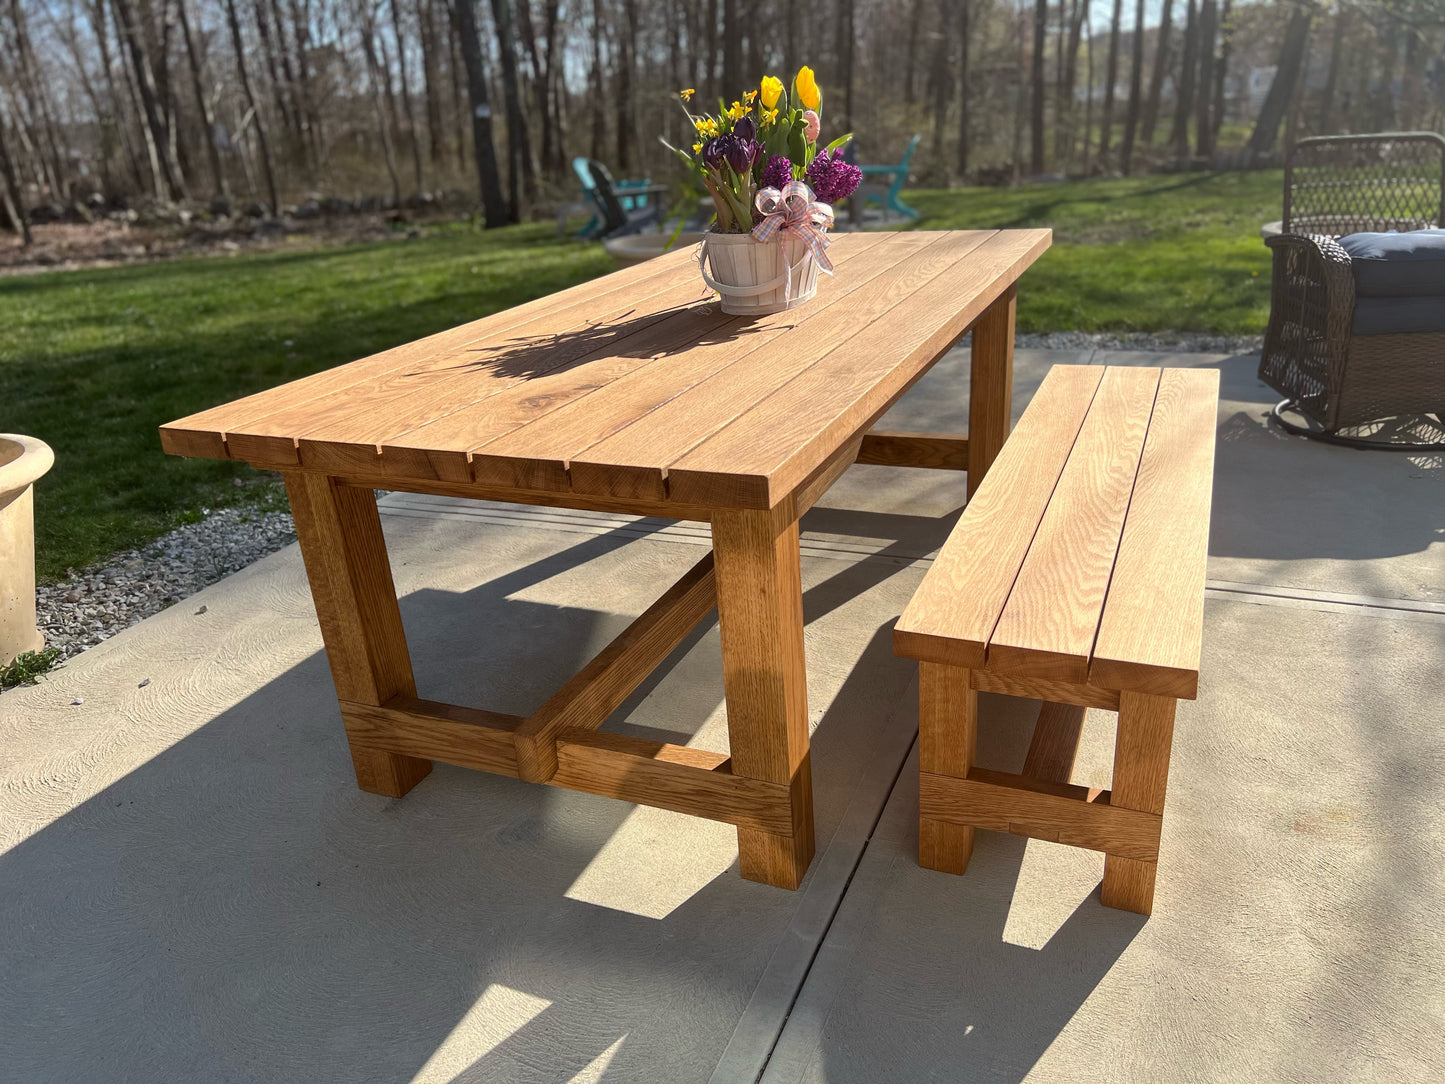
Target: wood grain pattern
<point>635,461</point>
<point>539,454</point>
<point>1062,692</point>
<point>1153,621</point>
<point>1141,778</point>
<point>346,563</point>
<point>758,458</point>
<point>760,617</point>
<point>953,613</point>
<point>203,433</point>
<point>675,777</point>
<point>1055,744</point>
<point>947,737</point>
<point>601,686</point>
<point>447,445</point>
<point>1048,625</point>
<point>938,451</point>
<point>991,381</point>
<point>1076,816</point>
<point>427,729</point>
<point>442,384</point>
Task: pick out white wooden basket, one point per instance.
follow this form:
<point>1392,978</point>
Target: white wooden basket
<point>750,275</point>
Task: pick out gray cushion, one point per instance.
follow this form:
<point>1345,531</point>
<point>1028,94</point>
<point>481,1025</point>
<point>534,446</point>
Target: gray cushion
<point>1391,315</point>
<point>1397,264</point>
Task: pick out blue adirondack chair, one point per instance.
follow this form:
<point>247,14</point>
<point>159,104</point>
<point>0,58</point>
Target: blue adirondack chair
<point>894,178</point>
<point>619,207</point>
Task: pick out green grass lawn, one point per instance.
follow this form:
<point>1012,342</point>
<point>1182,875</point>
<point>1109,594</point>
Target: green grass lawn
<point>93,361</point>
<point>1162,253</point>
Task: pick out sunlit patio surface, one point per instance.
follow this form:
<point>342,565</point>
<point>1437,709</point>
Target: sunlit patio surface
<point>192,888</point>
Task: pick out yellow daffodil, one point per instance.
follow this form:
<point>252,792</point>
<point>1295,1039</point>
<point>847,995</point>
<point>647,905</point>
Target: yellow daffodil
<point>705,126</point>
<point>688,93</point>
<point>772,91</point>
<point>808,92</point>
<point>749,96</point>
<point>770,116</point>
<point>697,148</point>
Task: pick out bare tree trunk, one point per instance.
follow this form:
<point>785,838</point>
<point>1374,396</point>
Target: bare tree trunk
<point>150,99</point>
<point>406,103</point>
<point>374,65</point>
<point>521,177</point>
<point>845,46</point>
<point>793,39</point>
<point>1136,87</point>
<point>203,105</point>
<point>942,85</point>
<point>1156,77</point>
<point>910,64</point>
<point>1221,70</point>
<point>1204,97</point>
<point>1332,80</point>
<point>1292,52</point>
<point>1184,96</point>
<point>556,86</point>
<point>96,13</point>
<point>1068,109</point>
<point>732,43</point>
<point>1036,97</point>
<point>626,58</point>
<point>268,165</point>
<point>1111,77</point>
<point>13,203</point>
<point>494,204</point>
<point>431,75</point>
<point>595,99</point>
<point>965,115</point>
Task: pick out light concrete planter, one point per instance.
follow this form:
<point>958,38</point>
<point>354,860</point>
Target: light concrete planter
<point>638,248</point>
<point>751,276</point>
<point>22,461</point>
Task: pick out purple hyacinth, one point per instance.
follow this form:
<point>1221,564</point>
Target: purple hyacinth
<point>831,178</point>
<point>778,172</point>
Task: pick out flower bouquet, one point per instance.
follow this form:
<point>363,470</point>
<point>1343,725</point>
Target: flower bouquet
<point>772,189</point>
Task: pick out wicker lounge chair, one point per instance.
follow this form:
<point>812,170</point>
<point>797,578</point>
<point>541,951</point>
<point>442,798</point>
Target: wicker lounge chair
<point>1356,340</point>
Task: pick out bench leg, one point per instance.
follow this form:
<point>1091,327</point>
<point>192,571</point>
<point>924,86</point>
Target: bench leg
<point>1141,774</point>
<point>345,557</point>
<point>947,733</point>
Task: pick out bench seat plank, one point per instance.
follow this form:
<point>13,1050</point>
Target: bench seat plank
<point>1153,620</point>
<point>954,611</point>
<point>1048,625</point>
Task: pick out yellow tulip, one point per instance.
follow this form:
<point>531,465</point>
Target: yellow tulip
<point>772,90</point>
<point>807,84</point>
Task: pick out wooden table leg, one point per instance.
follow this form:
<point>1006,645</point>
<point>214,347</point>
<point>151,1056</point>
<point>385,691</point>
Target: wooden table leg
<point>760,618</point>
<point>345,555</point>
<point>1141,774</point>
<point>991,382</point>
<point>947,734</point>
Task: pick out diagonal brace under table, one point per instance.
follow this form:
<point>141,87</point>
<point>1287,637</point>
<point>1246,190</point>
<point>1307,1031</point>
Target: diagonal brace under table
<point>395,736</point>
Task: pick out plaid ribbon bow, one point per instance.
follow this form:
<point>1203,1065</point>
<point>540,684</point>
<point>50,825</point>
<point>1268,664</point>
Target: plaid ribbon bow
<point>793,209</point>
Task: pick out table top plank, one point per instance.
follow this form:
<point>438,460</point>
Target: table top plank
<point>282,410</point>
<point>953,613</point>
<point>448,380</point>
<point>758,458</point>
<point>601,393</point>
<point>604,390</point>
<point>634,462</point>
<point>1049,623</point>
<point>1152,624</point>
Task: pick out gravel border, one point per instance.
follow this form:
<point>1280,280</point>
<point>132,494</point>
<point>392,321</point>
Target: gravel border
<point>99,602</point>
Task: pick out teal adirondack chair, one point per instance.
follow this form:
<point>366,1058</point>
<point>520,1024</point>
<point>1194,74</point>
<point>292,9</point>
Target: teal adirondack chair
<point>894,177</point>
<point>618,206</point>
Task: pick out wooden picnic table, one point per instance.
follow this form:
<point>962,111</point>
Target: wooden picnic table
<point>632,393</point>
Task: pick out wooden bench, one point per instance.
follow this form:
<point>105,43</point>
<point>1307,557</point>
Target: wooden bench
<point>1075,576</point>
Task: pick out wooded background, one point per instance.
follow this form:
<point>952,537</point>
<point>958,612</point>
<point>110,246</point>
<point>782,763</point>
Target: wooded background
<point>261,104</point>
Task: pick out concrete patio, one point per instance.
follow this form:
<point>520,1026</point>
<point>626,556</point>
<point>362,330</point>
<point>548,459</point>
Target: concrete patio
<point>193,889</point>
